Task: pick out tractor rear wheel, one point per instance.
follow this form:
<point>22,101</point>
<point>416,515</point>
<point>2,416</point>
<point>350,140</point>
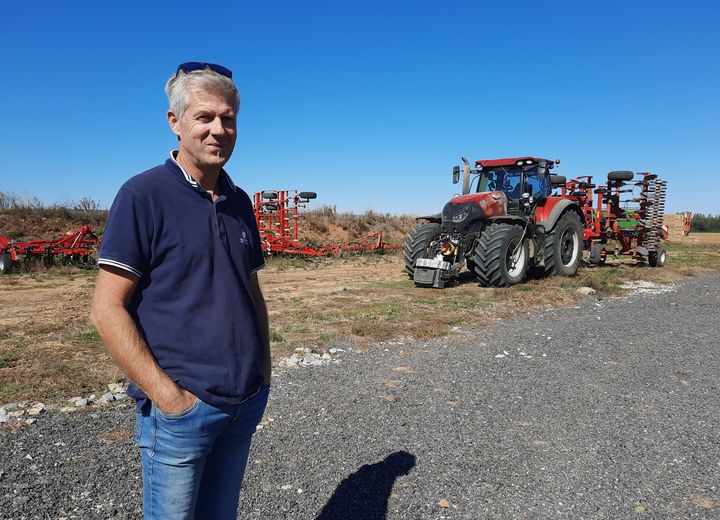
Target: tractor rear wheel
<point>5,263</point>
<point>657,258</point>
<point>501,255</point>
<point>417,245</point>
<point>563,246</point>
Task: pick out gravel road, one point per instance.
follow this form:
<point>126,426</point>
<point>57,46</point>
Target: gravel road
<point>608,410</point>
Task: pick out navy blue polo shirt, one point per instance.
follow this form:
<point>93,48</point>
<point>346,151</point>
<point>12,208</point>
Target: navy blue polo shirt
<point>194,258</point>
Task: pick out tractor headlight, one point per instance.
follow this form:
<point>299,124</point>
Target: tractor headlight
<point>459,217</point>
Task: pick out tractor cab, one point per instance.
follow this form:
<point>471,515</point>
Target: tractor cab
<point>516,182</point>
<point>514,176</point>
<point>522,181</point>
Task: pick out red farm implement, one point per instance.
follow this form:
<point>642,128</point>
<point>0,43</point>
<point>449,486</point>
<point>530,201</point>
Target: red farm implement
<point>277,213</point>
<point>624,217</point>
<point>76,248</point>
<point>687,223</point>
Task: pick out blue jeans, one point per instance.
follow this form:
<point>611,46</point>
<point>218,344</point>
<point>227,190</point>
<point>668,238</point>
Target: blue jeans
<point>194,461</point>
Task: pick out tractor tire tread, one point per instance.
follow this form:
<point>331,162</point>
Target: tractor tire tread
<point>489,257</point>
<point>549,251</point>
<point>416,242</point>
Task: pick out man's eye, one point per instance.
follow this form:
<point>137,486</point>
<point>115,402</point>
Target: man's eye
<point>228,120</point>
<point>204,117</point>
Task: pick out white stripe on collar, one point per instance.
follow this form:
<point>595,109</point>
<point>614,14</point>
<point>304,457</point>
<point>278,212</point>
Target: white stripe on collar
<point>192,181</point>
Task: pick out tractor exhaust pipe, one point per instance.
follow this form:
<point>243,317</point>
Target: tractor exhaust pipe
<point>466,176</point>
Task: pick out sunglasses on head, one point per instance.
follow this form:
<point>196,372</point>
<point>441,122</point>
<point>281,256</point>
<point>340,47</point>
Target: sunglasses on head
<point>191,66</point>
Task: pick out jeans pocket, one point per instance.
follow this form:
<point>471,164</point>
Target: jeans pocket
<point>139,420</point>
<point>179,415</point>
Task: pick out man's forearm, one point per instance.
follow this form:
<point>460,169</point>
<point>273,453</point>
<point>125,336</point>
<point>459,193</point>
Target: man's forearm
<point>124,343</point>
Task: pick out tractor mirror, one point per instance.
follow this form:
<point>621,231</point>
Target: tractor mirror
<point>557,180</point>
<point>456,174</point>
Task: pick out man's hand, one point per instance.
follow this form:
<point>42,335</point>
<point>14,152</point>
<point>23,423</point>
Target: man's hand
<point>177,403</point>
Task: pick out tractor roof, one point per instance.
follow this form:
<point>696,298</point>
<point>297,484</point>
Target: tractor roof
<point>510,161</point>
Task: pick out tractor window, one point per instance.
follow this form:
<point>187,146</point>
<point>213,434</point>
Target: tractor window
<point>536,185</point>
<point>500,179</point>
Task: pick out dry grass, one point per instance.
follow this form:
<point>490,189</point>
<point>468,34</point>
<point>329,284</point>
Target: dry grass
<point>325,226</point>
<point>48,350</point>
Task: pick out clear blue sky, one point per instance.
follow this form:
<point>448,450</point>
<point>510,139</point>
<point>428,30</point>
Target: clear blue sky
<point>368,103</point>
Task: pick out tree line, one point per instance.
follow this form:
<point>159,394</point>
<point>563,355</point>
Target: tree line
<point>707,223</point>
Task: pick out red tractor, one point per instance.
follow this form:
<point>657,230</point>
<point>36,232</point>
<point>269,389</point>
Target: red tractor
<point>505,221</point>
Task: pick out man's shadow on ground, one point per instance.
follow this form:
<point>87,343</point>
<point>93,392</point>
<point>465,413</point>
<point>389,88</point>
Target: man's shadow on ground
<point>364,494</point>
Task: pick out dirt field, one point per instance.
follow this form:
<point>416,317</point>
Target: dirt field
<point>702,238</point>
<point>49,351</point>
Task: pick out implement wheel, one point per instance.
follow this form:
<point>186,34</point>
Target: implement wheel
<point>563,246</point>
<point>501,255</point>
<point>417,245</point>
<point>597,255</point>
<point>657,258</point>
<point>5,263</point>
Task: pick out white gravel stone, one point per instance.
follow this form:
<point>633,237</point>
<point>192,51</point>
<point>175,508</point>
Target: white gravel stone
<point>586,290</point>
<point>36,409</point>
<point>117,388</point>
<point>107,398</point>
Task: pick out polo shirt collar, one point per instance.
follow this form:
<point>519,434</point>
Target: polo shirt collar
<point>224,178</point>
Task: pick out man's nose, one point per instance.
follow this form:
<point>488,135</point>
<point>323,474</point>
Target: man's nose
<point>216,126</point>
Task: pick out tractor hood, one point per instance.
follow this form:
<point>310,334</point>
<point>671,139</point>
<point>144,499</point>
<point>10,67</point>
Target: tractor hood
<point>492,203</point>
<point>466,211</point>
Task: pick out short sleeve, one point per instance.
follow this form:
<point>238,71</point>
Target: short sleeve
<point>126,242</point>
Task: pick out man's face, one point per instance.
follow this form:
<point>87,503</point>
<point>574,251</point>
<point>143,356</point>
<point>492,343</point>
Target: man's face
<point>207,129</point>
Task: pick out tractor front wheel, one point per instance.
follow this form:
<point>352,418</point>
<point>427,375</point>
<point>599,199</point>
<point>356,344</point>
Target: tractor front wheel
<point>563,246</point>
<point>657,258</point>
<point>501,255</point>
<point>417,245</point>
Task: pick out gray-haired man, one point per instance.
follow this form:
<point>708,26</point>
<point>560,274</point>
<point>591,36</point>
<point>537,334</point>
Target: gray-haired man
<point>179,306</point>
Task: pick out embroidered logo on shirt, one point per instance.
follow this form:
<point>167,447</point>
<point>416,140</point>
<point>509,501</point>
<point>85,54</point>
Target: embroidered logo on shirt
<point>244,239</point>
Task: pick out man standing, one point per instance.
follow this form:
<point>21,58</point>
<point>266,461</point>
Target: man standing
<point>178,305</point>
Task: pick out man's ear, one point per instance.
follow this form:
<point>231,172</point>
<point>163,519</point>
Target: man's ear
<point>174,123</point>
